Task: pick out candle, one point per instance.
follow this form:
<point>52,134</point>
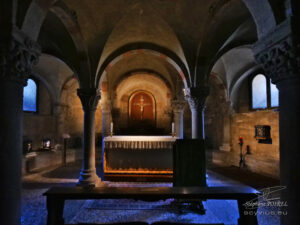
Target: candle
<point>111,127</point>
<point>172,127</point>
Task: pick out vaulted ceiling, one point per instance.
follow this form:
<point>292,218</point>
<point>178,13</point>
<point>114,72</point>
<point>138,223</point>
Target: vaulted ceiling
<point>173,38</point>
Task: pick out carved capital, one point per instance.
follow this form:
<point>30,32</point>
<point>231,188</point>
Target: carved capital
<point>278,53</point>
<point>17,56</point>
<point>178,105</point>
<point>196,97</point>
<point>89,98</point>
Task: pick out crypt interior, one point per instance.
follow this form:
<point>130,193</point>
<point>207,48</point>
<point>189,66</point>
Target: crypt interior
<point>97,94</point>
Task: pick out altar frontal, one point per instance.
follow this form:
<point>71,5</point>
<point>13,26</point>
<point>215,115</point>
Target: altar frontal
<point>138,154</point>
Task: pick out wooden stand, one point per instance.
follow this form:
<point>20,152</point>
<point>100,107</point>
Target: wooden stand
<point>189,167</point>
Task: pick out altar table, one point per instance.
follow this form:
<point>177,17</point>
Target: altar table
<point>138,154</point>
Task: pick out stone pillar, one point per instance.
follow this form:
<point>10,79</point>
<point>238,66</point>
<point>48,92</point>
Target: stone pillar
<point>59,113</point>
<point>106,117</point>
<point>17,56</point>
<point>226,146</point>
<point>279,55</point>
<point>178,108</point>
<point>89,98</point>
<point>196,97</point>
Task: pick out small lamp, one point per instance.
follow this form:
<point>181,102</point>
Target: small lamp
<point>46,144</point>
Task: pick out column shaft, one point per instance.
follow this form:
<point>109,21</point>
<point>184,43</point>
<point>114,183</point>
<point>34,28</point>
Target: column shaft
<point>18,54</point>
<point>11,151</point>
<point>278,53</point>
<point>198,123</point>
<point>89,99</point>
<point>196,97</point>
<point>289,123</point>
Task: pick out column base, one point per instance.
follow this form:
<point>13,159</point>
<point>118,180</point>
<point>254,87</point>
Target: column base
<point>225,148</point>
<point>89,179</point>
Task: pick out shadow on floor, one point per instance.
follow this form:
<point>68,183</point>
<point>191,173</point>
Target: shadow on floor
<point>246,177</point>
<point>70,171</point>
<point>41,185</point>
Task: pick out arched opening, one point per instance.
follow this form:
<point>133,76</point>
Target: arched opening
<point>30,96</point>
<point>259,92</point>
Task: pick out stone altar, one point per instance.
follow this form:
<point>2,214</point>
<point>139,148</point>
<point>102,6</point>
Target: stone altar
<point>138,154</point>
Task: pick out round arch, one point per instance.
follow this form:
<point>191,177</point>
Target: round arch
<point>53,95</point>
<point>144,48</point>
<point>262,14</point>
<point>139,93</point>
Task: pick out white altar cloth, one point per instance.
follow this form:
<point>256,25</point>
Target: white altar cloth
<point>139,142</point>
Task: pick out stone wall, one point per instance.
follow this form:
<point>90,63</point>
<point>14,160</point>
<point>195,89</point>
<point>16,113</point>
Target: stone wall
<point>215,113</point>
<point>264,158</point>
<point>42,160</point>
<point>224,126</point>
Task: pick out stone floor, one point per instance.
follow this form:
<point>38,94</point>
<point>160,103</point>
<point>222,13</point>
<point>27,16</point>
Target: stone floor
<point>112,211</point>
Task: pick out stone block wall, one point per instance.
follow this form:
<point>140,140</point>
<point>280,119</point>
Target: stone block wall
<point>243,125</point>
<point>264,158</point>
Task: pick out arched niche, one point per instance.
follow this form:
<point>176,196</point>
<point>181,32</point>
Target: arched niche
<point>142,109</point>
<point>158,92</point>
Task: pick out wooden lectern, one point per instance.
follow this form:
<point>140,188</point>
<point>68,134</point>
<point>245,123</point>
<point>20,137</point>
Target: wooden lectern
<point>189,167</point>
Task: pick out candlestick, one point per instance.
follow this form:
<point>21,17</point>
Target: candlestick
<point>173,129</point>
<point>111,128</point>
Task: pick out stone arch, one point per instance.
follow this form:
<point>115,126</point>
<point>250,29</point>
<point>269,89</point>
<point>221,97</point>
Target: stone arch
<point>35,16</point>
<point>262,14</point>
<point>67,82</point>
<point>53,95</point>
<point>144,71</point>
<point>149,48</point>
<point>236,85</point>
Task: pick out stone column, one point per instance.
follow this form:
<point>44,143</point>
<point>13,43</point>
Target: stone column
<point>89,98</point>
<point>105,105</point>
<point>59,113</point>
<point>279,55</point>
<point>196,97</point>
<point>226,146</point>
<point>178,108</point>
<point>17,56</point>
<point>106,117</point>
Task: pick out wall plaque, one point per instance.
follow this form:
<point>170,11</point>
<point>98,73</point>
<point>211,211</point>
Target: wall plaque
<point>263,134</point>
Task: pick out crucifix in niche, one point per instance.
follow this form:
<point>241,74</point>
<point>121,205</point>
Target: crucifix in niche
<point>141,104</point>
<point>141,107</point>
